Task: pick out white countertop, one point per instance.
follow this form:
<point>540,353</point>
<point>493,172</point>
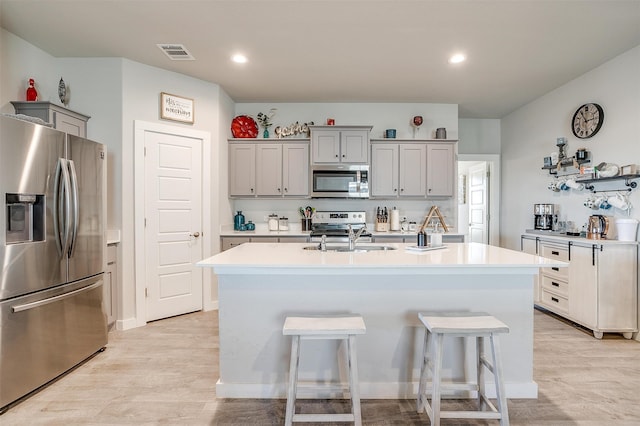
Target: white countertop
<point>557,236</point>
<point>283,258</point>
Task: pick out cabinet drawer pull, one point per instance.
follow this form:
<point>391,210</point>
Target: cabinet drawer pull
<point>556,253</point>
<point>555,299</point>
<point>555,269</point>
<point>555,284</point>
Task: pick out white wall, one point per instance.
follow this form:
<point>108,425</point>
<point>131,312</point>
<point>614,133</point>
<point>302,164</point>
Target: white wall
<point>141,88</point>
<point>115,92</point>
<point>479,136</point>
<point>529,134</point>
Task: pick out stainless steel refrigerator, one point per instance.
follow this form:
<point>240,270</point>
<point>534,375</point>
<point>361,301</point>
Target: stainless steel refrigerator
<point>52,244</point>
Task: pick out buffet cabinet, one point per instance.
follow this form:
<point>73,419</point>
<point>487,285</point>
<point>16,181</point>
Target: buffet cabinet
<point>412,169</point>
<point>599,289</point>
<point>269,169</point>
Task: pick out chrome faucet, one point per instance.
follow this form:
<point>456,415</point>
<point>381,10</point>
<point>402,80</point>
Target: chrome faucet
<point>353,236</point>
<point>323,243</point>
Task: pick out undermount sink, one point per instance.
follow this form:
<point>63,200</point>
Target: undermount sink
<point>357,249</point>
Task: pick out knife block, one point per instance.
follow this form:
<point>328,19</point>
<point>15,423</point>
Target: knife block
<point>382,227</point>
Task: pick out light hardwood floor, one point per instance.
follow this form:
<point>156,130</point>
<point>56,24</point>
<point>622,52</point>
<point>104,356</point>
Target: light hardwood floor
<point>165,373</point>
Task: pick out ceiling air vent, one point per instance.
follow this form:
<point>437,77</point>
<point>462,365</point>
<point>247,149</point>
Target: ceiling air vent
<point>176,52</point>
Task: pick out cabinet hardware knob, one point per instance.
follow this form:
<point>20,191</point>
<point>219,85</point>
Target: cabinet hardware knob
<point>555,269</point>
<point>555,284</point>
<point>556,253</point>
<point>336,155</point>
<point>195,234</point>
<point>553,299</point>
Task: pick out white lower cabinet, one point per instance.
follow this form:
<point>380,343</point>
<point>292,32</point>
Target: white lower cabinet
<point>598,290</point>
<point>229,242</point>
<point>529,245</point>
<point>110,287</point>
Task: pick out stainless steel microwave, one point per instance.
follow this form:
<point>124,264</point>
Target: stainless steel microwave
<point>340,181</point>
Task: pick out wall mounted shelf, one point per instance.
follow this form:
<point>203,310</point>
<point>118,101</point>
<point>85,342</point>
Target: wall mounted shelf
<point>629,182</point>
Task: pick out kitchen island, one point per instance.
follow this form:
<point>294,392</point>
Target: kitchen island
<point>259,284</point>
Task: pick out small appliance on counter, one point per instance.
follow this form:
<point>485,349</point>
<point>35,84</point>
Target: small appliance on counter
<point>545,217</point>
<point>597,227</point>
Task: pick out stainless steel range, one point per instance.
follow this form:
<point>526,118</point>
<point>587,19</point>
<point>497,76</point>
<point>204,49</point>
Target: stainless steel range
<point>335,225</point>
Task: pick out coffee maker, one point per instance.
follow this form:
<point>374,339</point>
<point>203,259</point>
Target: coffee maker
<point>546,217</point>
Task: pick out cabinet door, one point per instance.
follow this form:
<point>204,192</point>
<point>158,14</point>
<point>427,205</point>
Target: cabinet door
<point>242,170</point>
<point>413,168</point>
<point>269,170</point>
<point>529,245</point>
<point>230,242</point>
<point>295,172</point>
<point>354,146</point>
<point>440,170</point>
<point>383,180</point>
<point>583,289</point>
<point>325,146</point>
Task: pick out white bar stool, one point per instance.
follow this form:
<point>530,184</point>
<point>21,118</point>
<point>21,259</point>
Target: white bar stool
<point>344,327</point>
<point>461,324</point>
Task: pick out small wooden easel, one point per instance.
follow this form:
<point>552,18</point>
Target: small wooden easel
<point>434,210</point>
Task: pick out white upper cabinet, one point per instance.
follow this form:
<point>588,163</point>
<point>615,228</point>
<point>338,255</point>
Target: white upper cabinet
<point>441,170</point>
<point>412,169</point>
<point>398,170</point>
<point>269,169</point>
<point>333,144</point>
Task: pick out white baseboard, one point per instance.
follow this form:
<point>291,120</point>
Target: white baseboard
<point>405,390</point>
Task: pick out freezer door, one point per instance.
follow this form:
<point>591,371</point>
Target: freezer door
<point>87,169</point>
<point>29,154</point>
<point>44,334</point>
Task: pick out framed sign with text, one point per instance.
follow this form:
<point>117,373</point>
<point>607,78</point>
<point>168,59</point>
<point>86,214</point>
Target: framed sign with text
<point>176,108</point>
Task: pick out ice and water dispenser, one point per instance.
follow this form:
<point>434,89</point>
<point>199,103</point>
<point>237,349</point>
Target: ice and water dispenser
<point>25,218</point>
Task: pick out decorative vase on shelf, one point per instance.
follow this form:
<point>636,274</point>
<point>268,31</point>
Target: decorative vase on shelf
<point>265,134</point>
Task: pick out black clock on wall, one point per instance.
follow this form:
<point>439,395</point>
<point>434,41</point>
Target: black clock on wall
<point>587,120</point>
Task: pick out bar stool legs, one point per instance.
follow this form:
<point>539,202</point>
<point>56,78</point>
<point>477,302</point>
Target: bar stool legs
<point>478,325</point>
<point>326,328</point>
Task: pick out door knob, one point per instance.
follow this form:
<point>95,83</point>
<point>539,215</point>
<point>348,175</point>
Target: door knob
<point>195,234</point>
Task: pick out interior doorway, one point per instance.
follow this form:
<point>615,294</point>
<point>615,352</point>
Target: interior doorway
<point>478,198</point>
<point>172,229</point>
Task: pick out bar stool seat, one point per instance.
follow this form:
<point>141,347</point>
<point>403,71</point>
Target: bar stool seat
<point>343,327</point>
<point>461,324</point>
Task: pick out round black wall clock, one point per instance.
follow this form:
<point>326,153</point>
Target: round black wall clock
<point>587,120</point>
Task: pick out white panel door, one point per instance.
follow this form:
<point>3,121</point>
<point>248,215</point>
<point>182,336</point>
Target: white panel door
<point>173,213</point>
<point>478,211</point>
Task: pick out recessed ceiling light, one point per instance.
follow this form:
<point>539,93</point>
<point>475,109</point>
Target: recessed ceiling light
<point>457,58</point>
<point>239,58</point>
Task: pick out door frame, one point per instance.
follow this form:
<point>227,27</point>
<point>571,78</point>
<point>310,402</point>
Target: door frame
<point>493,199</point>
<point>140,127</point>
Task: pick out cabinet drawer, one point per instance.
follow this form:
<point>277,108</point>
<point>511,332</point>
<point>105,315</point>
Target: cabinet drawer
<point>556,253</point>
<point>555,302</point>
<point>554,285</point>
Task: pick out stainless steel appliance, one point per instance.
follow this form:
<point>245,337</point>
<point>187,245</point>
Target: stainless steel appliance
<point>340,181</point>
<point>335,225</point>
<point>545,216</point>
<point>51,252</point>
<point>597,227</point>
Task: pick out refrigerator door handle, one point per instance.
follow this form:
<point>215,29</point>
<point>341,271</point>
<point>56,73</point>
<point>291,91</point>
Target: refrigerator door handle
<point>61,207</point>
<point>32,305</point>
<point>75,206</point>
